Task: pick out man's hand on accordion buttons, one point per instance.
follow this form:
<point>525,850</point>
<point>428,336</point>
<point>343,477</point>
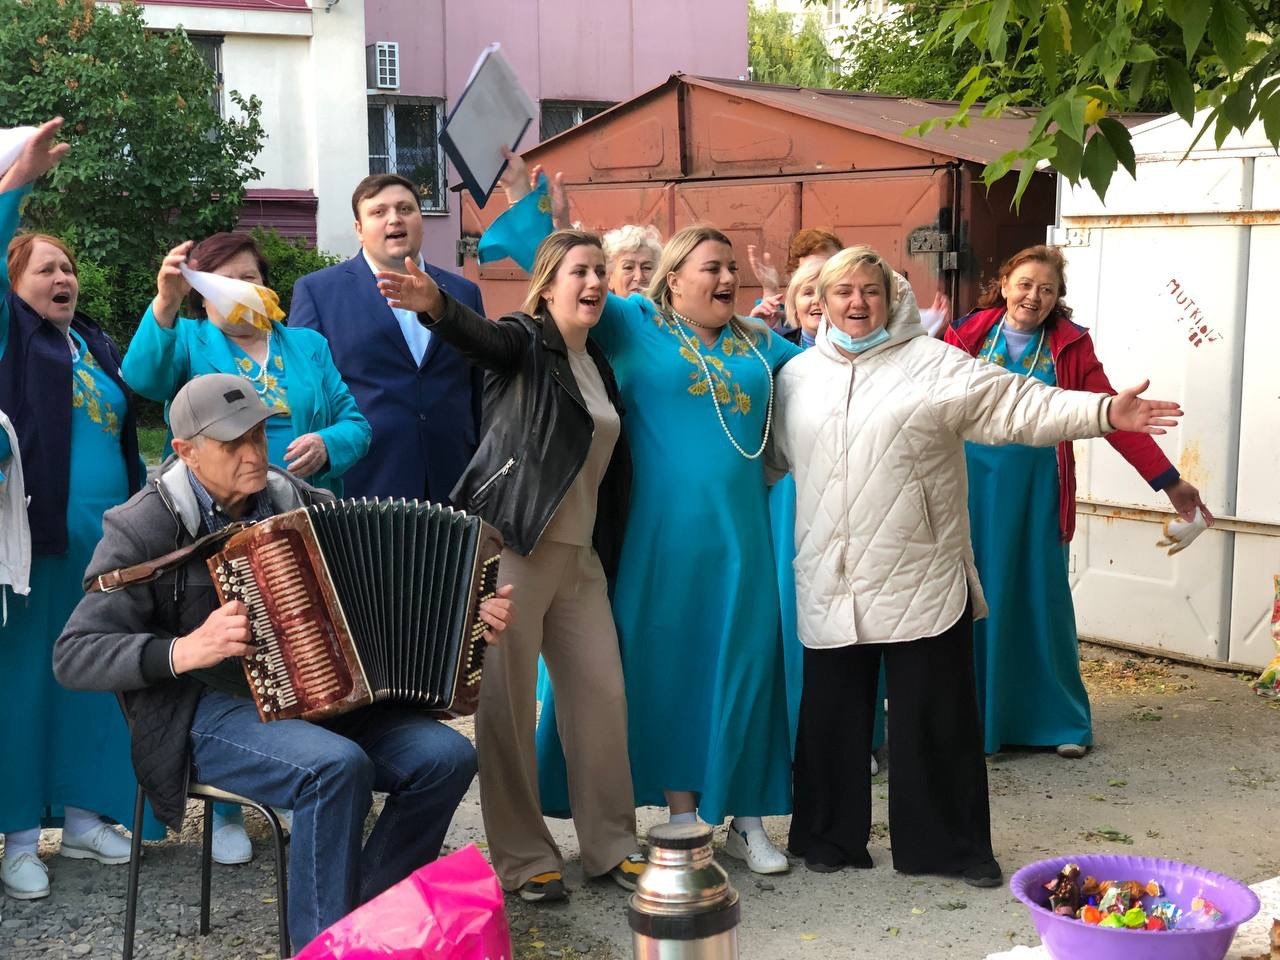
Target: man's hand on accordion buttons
<point>496,612</point>
<point>224,633</point>
<point>412,290</point>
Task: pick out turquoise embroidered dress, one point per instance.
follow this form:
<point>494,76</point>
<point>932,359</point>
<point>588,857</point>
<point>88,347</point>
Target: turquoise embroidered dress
<point>301,378</point>
<point>1026,651</point>
<point>272,385</point>
<point>695,597</point>
<point>63,746</point>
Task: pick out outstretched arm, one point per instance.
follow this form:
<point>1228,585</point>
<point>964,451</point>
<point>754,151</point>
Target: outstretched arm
<point>495,346</point>
<point>982,402</point>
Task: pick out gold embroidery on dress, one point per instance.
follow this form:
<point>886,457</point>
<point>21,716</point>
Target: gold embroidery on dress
<point>86,395</point>
<point>728,394</point>
<point>265,382</point>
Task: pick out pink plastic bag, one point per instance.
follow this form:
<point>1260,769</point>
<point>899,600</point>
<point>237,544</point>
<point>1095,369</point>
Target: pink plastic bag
<point>447,910</point>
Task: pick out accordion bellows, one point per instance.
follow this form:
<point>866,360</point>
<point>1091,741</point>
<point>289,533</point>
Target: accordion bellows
<point>357,601</point>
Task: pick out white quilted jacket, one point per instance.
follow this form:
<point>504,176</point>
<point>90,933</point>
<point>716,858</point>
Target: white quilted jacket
<point>876,446</point>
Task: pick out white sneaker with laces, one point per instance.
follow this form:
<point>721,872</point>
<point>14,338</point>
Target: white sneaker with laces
<point>24,877</point>
<point>103,843</point>
<point>756,849</point>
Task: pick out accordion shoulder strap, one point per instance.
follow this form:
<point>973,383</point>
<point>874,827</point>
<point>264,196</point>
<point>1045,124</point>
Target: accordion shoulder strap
<point>149,570</point>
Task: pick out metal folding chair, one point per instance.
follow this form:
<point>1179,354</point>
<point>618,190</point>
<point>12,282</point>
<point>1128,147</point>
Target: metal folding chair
<point>207,794</point>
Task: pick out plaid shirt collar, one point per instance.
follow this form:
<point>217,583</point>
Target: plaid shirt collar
<point>213,518</point>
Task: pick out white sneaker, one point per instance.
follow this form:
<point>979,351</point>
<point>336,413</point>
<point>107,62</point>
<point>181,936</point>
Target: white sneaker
<point>24,877</point>
<point>875,767</point>
<point>103,843</point>
<point>231,844</point>
<point>756,849</point>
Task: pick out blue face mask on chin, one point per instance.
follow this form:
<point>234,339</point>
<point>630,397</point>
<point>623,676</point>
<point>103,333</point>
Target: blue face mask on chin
<point>857,344</point>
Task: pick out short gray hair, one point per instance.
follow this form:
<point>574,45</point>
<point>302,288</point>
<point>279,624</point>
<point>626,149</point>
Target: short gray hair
<point>631,236</point>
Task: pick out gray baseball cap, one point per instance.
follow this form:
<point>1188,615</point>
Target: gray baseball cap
<point>220,406</point>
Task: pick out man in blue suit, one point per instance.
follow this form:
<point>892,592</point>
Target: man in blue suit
<point>418,393</point>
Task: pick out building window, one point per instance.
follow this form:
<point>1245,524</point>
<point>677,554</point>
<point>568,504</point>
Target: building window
<point>833,12</point>
<point>404,138</point>
<point>560,115</point>
<point>210,49</point>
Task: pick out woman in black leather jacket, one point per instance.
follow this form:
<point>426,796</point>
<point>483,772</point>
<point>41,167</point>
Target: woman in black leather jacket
<point>552,473</point>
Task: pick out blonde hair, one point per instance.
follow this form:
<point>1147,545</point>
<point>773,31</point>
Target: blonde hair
<point>551,253</point>
<point>631,236</point>
<point>850,259</point>
<point>674,254</point>
<point>804,274</point>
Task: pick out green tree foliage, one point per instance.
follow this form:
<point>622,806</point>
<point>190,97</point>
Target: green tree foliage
<point>892,55</point>
<point>151,160</point>
<point>779,53</point>
<point>1081,60</point>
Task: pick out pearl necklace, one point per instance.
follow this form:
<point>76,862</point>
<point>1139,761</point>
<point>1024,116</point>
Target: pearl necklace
<point>263,368</point>
<point>711,387</point>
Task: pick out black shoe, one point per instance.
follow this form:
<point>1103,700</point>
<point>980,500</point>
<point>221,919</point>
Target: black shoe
<point>986,874</point>
<point>817,866</point>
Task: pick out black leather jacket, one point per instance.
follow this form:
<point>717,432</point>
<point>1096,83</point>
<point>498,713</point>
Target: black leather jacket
<point>535,430</point>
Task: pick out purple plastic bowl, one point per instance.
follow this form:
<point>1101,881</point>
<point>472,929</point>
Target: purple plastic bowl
<point>1069,939</point>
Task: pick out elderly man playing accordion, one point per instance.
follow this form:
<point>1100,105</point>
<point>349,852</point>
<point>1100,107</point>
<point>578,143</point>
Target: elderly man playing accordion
<point>173,652</point>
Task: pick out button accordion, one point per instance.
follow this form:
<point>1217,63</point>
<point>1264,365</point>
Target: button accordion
<point>357,601</point>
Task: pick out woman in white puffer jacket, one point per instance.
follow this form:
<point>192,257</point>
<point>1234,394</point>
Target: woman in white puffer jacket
<point>872,424</point>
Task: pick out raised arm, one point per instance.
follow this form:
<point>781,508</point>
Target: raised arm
<point>158,361</point>
<point>495,346</point>
<point>37,158</point>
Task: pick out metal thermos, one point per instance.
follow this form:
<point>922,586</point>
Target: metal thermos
<point>683,907</point>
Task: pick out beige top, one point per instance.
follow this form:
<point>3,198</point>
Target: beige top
<point>575,518</point>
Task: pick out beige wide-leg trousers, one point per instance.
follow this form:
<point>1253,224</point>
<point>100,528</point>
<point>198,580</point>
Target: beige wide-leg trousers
<point>561,612</point>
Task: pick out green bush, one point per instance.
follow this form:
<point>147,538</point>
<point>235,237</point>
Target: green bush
<point>289,258</point>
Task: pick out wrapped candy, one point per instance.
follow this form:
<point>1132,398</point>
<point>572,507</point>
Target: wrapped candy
<point>1167,912</point>
<point>1090,914</point>
<point>1064,891</point>
<point>1117,898</point>
<point>1134,918</point>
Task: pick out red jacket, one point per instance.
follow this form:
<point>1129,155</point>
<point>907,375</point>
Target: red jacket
<point>1078,368</point>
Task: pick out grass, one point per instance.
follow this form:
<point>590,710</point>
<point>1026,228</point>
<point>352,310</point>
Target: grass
<point>151,444</point>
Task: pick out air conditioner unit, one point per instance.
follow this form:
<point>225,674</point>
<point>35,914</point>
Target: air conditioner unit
<point>382,65</point>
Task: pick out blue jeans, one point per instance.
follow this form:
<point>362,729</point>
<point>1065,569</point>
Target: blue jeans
<point>327,772</point>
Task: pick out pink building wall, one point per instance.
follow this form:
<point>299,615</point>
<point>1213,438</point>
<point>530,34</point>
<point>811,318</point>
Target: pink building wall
<point>560,49</point>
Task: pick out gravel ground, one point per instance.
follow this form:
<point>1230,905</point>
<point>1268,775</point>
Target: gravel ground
<point>1185,768</point>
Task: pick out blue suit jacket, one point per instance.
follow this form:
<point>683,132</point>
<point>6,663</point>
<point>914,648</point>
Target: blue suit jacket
<point>425,418</point>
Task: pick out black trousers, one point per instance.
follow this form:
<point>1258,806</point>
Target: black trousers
<point>939,817</point>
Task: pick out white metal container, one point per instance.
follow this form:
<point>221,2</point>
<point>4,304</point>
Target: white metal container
<point>1177,276</point>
